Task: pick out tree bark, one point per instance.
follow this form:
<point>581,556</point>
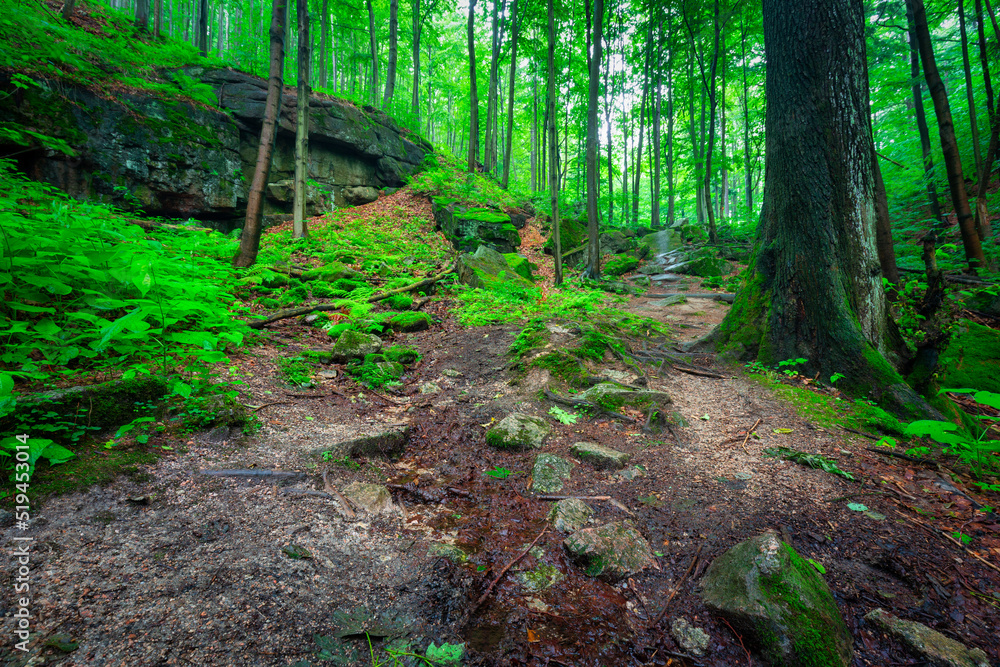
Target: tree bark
<point>984,62</point>
<point>203,27</point>
<point>490,149</point>
<point>747,176</point>
<point>813,287</point>
<point>299,225</point>
<point>324,45</point>
<point>655,139</point>
<point>142,15</point>
<point>373,92</point>
<point>250,239</point>
<point>949,145</point>
<point>922,129</point>
<point>550,115</point>
<point>67,10</point>
<point>637,160</point>
<point>390,70</point>
<point>473,162</point>
<point>883,227</point>
<point>509,143</point>
<point>967,68</point>
<point>594,80</point>
<point>671,196</point>
<point>534,130</point>
<point>607,124</point>
<point>417,26</point>
<point>157,18</point>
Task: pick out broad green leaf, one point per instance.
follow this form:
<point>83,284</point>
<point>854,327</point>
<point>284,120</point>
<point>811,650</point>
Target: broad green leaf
<point>857,507</point>
<point>57,454</point>
<point>988,398</point>
<point>47,327</point>
<point>30,309</point>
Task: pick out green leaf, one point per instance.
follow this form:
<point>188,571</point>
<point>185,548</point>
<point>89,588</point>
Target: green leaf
<point>987,398</point>
<point>562,416</point>
<point>819,566</point>
<point>57,454</point>
<point>857,507</point>
<point>446,654</point>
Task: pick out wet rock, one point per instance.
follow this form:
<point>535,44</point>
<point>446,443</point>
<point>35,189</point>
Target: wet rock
<point>370,498</point>
<point>549,472</point>
<point>610,552</point>
<point>600,456</point>
<point>570,515</point>
<point>449,551</point>
<point>928,644</point>
<point>693,640</point>
<point>451,373</point>
<point>541,577</point>
<point>518,431</point>
<point>355,345</point>
<point>357,195</point>
<point>429,388</point>
<point>613,397</point>
<point>635,472</point>
<point>485,268</point>
<point>773,596</point>
<point>410,322</point>
<point>661,242</point>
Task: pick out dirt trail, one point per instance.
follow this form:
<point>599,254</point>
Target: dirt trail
<point>187,569</point>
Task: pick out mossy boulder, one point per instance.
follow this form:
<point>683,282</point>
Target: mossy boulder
<point>549,473</point>
<point>621,265</point>
<point>570,515</point>
<point>706,267</point>
<point>663,242</point>
<point>777,601</point>
<point>612,397</point>
<point>409,322</point>
<point>354,345</point>
<point>518,431</point>
<point>332,272</point>
<point>972,359</point>
<point>468,228</point>
<point>599,456</point>
<point>610,552</point>
<point>572,234</point>
<point>520,265</point>
<point>615,241</point>
<point>485,268</point>
<point>929,645</point>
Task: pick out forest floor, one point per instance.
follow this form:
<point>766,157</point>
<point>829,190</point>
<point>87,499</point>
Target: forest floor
<point>182,568</point>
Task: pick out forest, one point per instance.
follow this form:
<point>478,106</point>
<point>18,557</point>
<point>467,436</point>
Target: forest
<point>500,332</point>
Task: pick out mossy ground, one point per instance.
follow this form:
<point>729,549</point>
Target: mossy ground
<point>93,465</point>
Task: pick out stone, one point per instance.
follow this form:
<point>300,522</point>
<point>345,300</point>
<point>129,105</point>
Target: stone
<point>520,265</point>
<point>628,474</point>
<point>353,344</point>
<point>451,373</point>
<point>410,322</point>
<point>612,397</point>
<point>772,596</point>
<point>599,456</point>
<point>614,242</point>
<point>485,268</point>
<point>662,242</point>
<point>429,388</point>
<point>548,473</point>
<point>370,498</point>
<point>518,431</point>
<point>332,272</point>
<point>691,639</point>
<point>540,578</point>
<point>705,267</point>
<point>669,301</point>
<point>665,277</point>
<point>570,515</point>
<point>926,644</point>
<point>449,551</point>
<point>469,228</point>
<point>358,195</point>
<point>6,518</point>
<point>610,552</point>
<point>381,440</point>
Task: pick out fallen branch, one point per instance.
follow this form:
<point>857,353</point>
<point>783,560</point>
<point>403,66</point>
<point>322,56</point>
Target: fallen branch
<point>905,457</point>
<point>704,374</point>
<point>272,474</point>
<point>426,282</point>
<point>489,589</point>
<point>861,433</point>
<point>680,583</point>
<point>261,407</point>
<point>752,429</point>
<point>343,501</point>
<point>573,497</point>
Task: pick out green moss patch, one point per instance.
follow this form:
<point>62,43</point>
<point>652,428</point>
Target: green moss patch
<point>620,265</point>
<point>411,321</point>
<point>972,359</point>
<point>562,366</point>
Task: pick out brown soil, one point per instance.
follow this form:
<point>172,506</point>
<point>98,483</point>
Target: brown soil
<point>187,569</point>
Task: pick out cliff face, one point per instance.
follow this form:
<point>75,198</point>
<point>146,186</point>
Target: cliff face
<point>179,159</point>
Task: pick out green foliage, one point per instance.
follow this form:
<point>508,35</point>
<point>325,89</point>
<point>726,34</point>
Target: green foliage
<point>620,265</point>
<point>562,416</point>
<point>499,473</point>
<point>449,183</point>
<point>296,372</point>
<point>811,460</point>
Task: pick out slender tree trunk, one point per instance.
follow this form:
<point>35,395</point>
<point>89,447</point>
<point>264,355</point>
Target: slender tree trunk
<point>250,239</point>
<point>473,163</point>
<point>607,124</point>
<point>984,62</point>
<point>390,70</point>
<point>373,91</point>
<point>922,129</point>
<point>550,104</point>
<point>713,234</point>
<point>509,143</point>
<point>637,162</point>
<point>142,15</point>
<point>490,149</point>
<point>983,226</point>
<point>967,68</point>
<point>67,10</point>
<point>299,227</point>
<point>324,44</point>
<point>534,129</point>
<point>883,227</point>
<point>747,176</point>
<point>949,146</point>
<point>671,198</point>
<point>203,27</point>
<point>655,140</point>
<point>157,18</point>
<point>724,194</point>
<point>593,88</point>
<point>415,92</point>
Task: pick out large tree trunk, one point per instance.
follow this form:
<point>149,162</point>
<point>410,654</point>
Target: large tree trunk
<point>922,129</point>
<point>813,288</point>
<point>250,240</point>
<point>983,226</point>
<point>550,117</point>
<point>390,70</point>
<point>203,27</point>
<point>142,15</point>
<point>373,92</point>
<point>473,162</point>
<point>299,228</point>
<point>509,142</point>
<point>415,92</point>
<point>594,81</point>
<point>157,18</point>
<point>967,68</point>
<point>949,145</point>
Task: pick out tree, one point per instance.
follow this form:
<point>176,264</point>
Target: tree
<point>373,91</point>
<point>814,288</point>
<point>594,79</point>
<point>299,229</point>
<point>921,117</point>
<point>473,162</point>
<point>250,240</point>
<point>550,118</point>
<point>203,27</point>
<point>142,15</point>
<point>390,71</point>
<point>67,10</point>
<point>509,142</point>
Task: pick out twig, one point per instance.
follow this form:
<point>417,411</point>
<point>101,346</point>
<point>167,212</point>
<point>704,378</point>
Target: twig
<point>489,589</point>
<point>740,640</point>
<point>691,371</point>
<point>862,433</point>
<point>300,395</point>
<point>343,501</point>
<point>666,604</point>
<point>905,457</point>
<point>631,585</point>
<point>285,314</point>
<point>752,429</point>
<point>261,407</point>
<point>279,474</point>
<point>573,497</point>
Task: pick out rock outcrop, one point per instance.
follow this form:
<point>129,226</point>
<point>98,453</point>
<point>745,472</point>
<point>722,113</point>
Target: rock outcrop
<point>181,159</point>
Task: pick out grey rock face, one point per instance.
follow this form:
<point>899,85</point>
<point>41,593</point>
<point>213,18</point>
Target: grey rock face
<point>600,456</point>
<point>611,552</point>
<point>549,472</point>
<point>518,431</point>
<point>570,515</point>
<point>928,644</point>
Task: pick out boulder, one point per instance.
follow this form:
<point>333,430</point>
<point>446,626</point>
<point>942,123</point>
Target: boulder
<point>572,234</point>
<point>691,639</point>
<point>614,242</point>
<point>520,265</point>
<point>600,456</point>
<point>928,645</point>
<point>469,228</point>
<point>354,345</point>
<point>610,552</point>
<point>518,431</point>
<point>612,397</point>
<point>357,195</point>
<point>706,267</point>
<point>486,268</point>
<point>778,601</point>
<point>370,498</point>
<point>332,272</point>
<point>662,242</point>
<point>549,472</point>
<point>410,322</point>
<point>570,515</point>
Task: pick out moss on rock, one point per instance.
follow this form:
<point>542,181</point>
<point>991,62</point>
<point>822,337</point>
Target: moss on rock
<point>410,321</point>
<point>972,359</point>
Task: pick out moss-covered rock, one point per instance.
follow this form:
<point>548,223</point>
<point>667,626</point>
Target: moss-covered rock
<point>778,601</point>
<point>354,345</point>
<point>485,268</point>
<point>332,272</point>
<point>468,228</point>
<point>929,645</point>
<point>599,456</point>
<point>549,473</point>
<point>610,552</point>
<point>572,234</point>
<point>621,265</point>
<point>662,242</point>
<point>410,321</point>
<point>518,431</point>
<point>972,359</point>
<point>612,397</point>
<point>706,267</point>
<point>570,515</point>
<point>401,354</point>
<point>520,265</point>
